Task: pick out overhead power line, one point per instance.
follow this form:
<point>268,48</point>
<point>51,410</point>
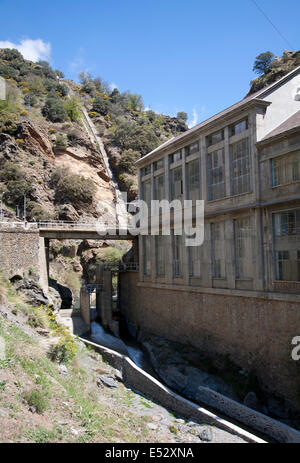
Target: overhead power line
<point>272,24</point>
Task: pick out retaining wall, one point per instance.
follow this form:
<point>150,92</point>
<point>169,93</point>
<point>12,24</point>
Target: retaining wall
<point>138,379</point>
<point>255,332</point>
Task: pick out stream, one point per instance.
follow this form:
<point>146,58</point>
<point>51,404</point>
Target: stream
<point>130,348</point>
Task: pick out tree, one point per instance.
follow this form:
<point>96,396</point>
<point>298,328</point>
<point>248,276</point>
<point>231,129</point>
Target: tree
<point>262,62</point>
<point>73,109</point>
<point>72,188</point>
<point>54,109</point>
<point>59,74</point>
<point>100,105</point>
<point>182,116</point>
<point>135,102</point>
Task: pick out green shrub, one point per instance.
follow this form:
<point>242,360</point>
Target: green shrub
<point>72,188</point>
<point>64,351</point>
<point>17,185</point>
<point>100,105</point>
<point>72,108</point>
<point>37,212</point>
<point>35,398</point>
<point>61,141</point>
<point>127,161</point>
<point>54,109</point>
<point>110,255</point>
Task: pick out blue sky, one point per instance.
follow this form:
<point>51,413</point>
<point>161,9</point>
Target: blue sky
<point>194,56</point>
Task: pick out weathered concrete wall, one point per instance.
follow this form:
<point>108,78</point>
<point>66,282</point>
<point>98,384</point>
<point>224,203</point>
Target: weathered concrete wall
<point>256,333</point>
<point>19,252</point>
<point>85,308</point>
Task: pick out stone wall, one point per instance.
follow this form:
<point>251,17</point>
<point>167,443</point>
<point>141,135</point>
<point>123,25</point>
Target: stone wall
<point>19,252</point>
<point>255,332</point>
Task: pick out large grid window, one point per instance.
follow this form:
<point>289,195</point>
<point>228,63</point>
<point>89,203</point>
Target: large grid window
<point>287,223</point>
<point>216,172</point>
<point>176,185</point>
<point>160,246</point>
<point>243,248</point>
<point>218,250</point>
<point>159,190</point>
<point>177,254</point>
<point>175,157</point>
<point>193,180</point>
<point>191,149</point>
<point>146,255</point>
<point>288,265</point>
<point>146,170</point>
<point>214,138</point>
<point>194,261</point>
<point>286,169</point>
<point>159,164</point>
<point>146,192</point>
<point>238,127</point>
<point>286,226</point>
<point>240,167</point>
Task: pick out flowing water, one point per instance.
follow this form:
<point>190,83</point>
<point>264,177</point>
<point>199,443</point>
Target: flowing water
<point>99,336</point>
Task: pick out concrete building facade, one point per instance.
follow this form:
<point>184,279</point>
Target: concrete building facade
<point>239,293</point>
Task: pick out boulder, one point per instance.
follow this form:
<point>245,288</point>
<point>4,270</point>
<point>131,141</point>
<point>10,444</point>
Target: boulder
<point>32,292</point>
<point>68,213</point>
<point>106,381</point>
<point>206,435</point>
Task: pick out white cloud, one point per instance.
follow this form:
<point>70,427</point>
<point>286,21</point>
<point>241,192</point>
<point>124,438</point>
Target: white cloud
<point>194,119</point>
<point>34,50</point>
<point>113,86</point>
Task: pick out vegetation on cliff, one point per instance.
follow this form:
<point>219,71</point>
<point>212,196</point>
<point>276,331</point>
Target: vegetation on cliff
<point>37,92</point>
<point>271,69</point>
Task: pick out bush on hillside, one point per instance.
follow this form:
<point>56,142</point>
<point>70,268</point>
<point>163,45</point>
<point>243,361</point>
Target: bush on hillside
<point>72,108</point>
<point>54,109</point>
<point>17,185</point>
<point>127,161</point>
<point>72,188</point>
<point>37,399</point>
<point>101,105</point>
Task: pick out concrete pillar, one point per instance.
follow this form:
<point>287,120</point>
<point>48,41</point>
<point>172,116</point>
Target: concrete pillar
<point>85,308</point>
<point>230,252</point>
<point>227,163</point>
<point>203,170</point>
<point>257,251</point>
<point>106,298</point>
<point>44,262</point>
<point>99,281</point>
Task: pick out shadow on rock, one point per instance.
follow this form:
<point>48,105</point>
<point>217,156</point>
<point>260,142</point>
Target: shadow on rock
<point>65,294</point>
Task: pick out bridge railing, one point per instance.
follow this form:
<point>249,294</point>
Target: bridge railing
<point>101,227</point>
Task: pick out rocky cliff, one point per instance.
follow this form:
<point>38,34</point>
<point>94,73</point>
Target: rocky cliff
<point>278,68</point>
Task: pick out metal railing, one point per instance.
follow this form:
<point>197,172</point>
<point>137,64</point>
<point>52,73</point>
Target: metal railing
<point>92,288</point>
<point>132,266</point>
<point>65,225</point>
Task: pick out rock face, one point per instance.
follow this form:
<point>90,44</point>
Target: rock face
<point>279,67</point>
<point>32,292</point>
<point>168,361</point>
<point>35,138</point>
<point>8,148</point>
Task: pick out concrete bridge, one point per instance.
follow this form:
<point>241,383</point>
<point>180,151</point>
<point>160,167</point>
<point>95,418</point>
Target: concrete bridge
<point>24,246</point>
